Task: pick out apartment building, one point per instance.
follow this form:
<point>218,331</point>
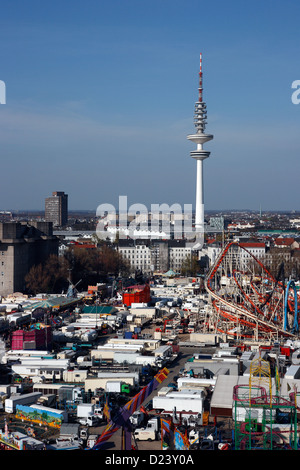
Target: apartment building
<point>155,255</point>
<point>56,209</point>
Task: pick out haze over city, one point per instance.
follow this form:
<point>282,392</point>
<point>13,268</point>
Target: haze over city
<point>100,98</point>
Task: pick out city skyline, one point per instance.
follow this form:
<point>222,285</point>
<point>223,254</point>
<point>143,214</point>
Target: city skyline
<point>100,98</point>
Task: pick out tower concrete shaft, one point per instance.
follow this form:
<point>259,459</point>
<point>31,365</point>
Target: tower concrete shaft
<point>199,138</point>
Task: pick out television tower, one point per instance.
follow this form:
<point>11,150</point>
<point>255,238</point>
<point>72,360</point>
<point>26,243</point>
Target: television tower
<point>199,155</point>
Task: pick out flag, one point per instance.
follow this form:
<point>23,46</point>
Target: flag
<point>106,410</point>
<point>167,433</point>
<point>161,375</point>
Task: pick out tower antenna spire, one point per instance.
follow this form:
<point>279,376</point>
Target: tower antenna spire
<point>199,138</point>
<point>200,79</point>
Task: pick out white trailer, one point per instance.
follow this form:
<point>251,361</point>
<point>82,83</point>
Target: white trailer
<point>85,409</point>
<point>145,360</point>
<point>14,355</point>
<point>185,402</point>
<point>22,399</point>
<point>192,382</point>
<point>148,345</point>
<point>163,391</point>
<point>259,414</point>
<point>126,356</point>
<point>18,319</point>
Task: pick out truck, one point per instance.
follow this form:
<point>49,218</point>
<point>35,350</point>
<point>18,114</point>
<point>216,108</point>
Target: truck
<point>149,432</point>
<point>85,409</point>
<point>91,440</point>
<point>90,420</point>
<point>88,414</point>
<point>137,418</point>
<point>11,403</point>
<point>64,392</point>
<point>117,386</point>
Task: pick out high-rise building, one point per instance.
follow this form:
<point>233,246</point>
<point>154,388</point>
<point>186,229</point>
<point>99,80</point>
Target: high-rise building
<point>199,138</point>
<point>56,209</point>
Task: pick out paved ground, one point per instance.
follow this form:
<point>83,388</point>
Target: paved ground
<point>114,442</point>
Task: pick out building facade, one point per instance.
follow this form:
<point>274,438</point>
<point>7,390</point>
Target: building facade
<point>151,256</point>
<point>23,245</point>
<point>56,209</point>
<point>138,254</point>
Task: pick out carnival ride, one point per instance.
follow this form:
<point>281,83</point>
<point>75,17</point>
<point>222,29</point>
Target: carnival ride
<point>121,418</point>
<point>263,418</point>
<point>248,302</point>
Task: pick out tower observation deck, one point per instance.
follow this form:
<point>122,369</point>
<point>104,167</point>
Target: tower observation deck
<point>199,138</point>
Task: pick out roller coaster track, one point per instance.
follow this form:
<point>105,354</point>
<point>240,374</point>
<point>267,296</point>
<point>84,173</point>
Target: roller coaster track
<point>251,305</point>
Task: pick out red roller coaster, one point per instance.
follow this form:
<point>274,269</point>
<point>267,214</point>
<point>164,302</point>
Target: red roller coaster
<point>247,301</point>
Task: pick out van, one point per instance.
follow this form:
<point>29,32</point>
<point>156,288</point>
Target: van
<point>145,434</point>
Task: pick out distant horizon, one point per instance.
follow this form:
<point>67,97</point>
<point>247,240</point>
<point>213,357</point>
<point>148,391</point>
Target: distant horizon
<point>206,210</point>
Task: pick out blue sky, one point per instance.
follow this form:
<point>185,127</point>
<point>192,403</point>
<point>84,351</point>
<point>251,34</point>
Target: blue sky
<point>100,98</point>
